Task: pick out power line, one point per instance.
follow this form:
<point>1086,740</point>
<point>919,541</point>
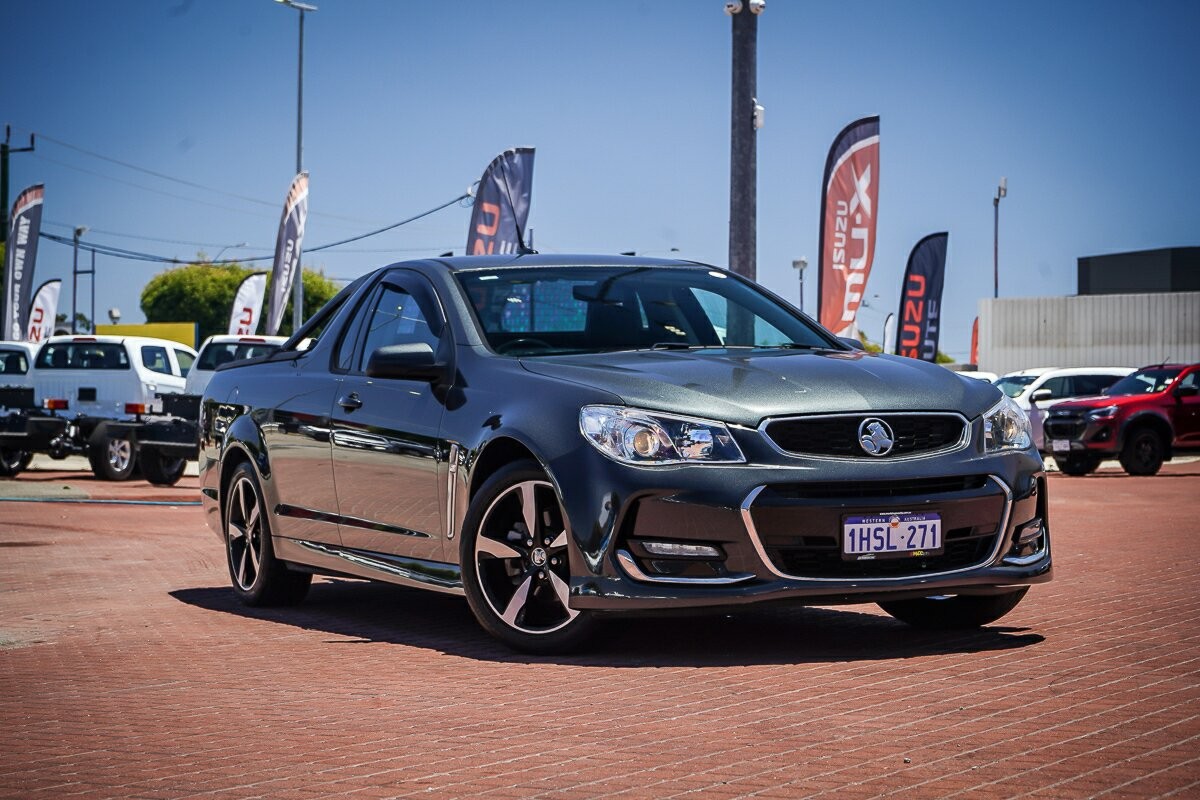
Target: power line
<point>135,255</point>
<point>181,181</point>
<point>152,238</point>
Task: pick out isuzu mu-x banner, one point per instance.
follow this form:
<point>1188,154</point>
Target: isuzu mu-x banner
<point>849,206</point>
<point>502,204</point>
<point>19,258</point>
<point>287,250</point>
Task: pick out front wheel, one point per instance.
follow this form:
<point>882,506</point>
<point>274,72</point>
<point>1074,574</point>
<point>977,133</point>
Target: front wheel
<point>1143,453</point>
<point>955,611</point>
<point>259,579</point>
<point>112,459</point>
<point>515,565</point>
<point>13,462</point>
<point>161,469</point>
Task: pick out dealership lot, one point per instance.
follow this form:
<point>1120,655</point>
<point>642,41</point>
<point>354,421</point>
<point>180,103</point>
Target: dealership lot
<point>127,670</point>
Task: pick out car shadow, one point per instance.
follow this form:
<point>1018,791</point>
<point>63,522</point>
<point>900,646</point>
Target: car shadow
<point>358,612</point>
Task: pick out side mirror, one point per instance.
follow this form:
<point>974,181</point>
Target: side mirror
<point>1186,391</point>
<point>1039,396</point>
<point>410,362</point>
<point>851,342</point>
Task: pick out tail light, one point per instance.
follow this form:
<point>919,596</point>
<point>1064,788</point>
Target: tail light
<point>55,404</point>
<point>135,408</point>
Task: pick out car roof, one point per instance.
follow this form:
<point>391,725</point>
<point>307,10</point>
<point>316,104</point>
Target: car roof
<point>26,346</point>
<point>84,338</point>
<point>512,261</point>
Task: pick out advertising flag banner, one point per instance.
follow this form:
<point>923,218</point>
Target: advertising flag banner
<point>43,312</point>
<point>247,305</point>
<point>849,207</point>
<point>19,259</point>
<point>287,251</point>
<point>921,298</point>
<point>975,341</point>
<point>502,204</point>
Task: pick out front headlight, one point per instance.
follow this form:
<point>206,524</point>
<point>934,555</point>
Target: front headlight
<point>1106,413</point>
<point>651,438</point>
<point>1005,427</point>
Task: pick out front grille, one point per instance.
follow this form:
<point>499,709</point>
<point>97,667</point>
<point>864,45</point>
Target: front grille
<point>820,556</point>
<point>800,524</point>
<point>1064,427</point>
<point>837,436</point>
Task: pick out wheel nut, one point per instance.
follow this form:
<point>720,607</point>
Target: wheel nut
<point>529,542</point>
<point>554,562</point>
<point>542,574</point>
<point>547,540</point>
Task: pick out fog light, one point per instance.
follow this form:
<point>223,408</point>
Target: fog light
<point>1029,531</point>
<point>681,550</point>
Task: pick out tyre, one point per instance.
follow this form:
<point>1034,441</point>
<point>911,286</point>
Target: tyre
<point>112,459</point>
<point>954,612</point>
<point>259,579</point>
<point>161,469</point>
<point>1077,464</point>
<point>515,566</point>
<point>13,462</point>
<point>1143,452</point>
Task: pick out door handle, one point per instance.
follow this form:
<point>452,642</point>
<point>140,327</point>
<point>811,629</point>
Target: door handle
<point>350,401</point>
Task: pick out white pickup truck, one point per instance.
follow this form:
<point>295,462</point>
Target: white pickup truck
<point>106,383</point>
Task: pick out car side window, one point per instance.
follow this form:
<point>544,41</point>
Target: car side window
<point>1057,387</point>
<point>13,362</point>
<point>1190,381</point>
<point>394,318</point>
<point>185,360</point>
<point>154,358</point>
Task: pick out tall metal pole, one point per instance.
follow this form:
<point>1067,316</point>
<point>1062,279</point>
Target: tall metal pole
<point>298,279</point>
<point>743,178</point>
<point>74,278</point>
<point>996,246</point>
<point>5,150</point>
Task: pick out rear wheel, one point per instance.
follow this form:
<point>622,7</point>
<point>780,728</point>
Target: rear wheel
<point>13,462</point>
<point>161,469</point>
<point>954,611</point>
<point>1077,464</point>
<point>515,565</point>
<point>1143,452</point>
<point>259,579</point>
<point>112,459</point>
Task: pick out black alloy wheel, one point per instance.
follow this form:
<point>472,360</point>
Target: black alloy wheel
<point>13,462</point>
<point>1143,453</point>
<point>112,459</point>
<point>1077,464</point>
<point>515,565</point>
<point>259,579</point>
<point>954,611</point>
<point>159,468</point>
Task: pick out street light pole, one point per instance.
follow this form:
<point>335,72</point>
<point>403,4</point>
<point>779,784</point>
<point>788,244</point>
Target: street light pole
<point>298,280</point>
<point>223,249</point>
<point>800,265</point>
<point>1001,191</point>
<point>79,231</point>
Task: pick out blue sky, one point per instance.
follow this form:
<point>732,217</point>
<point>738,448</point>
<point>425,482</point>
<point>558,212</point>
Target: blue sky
<point>1090,110</point>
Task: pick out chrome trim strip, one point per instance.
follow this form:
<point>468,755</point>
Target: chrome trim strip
<point>451,487</point>
<point>298,512</point>
<point>752,532</point>
<point>406,571</point>
<point>631,567</point>
<point>961,444</point>
<point>1032,558</point>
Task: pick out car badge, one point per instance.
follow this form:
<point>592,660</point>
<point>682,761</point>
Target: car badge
<point>876,436</point>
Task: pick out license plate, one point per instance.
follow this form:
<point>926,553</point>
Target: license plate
<point>891,536</point>
<point>1060,445</point>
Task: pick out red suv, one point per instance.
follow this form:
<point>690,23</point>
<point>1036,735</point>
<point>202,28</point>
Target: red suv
<point>1141,419</point>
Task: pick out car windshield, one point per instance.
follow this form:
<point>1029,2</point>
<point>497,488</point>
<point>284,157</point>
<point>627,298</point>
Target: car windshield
<point>1147,381</point>
<point>1014,385</point>
<point>82,355</point>
<point>556,310</point>
<point>216,354</point>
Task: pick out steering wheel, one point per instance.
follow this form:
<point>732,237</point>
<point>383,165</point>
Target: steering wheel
<point>524,341</point>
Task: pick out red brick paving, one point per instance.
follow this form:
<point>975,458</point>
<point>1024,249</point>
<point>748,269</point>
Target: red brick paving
<point>127,670</point>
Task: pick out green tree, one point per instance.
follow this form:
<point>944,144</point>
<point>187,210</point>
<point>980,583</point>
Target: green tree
<point>203,293</point>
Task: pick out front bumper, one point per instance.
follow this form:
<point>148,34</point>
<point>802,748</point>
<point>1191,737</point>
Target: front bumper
<point>777,527</point>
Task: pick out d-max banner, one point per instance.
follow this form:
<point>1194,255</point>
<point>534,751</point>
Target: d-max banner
<point>921,298</point>
<point>247,305</point>
<point>502,204</point>
<point>43,312</point>
<point>287,250</point>
<point>19,260</point>
<point>849,207</point>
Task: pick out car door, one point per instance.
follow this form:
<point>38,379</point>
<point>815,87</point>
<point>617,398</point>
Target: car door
<point>1187,408</point>
<point>385,431</point>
